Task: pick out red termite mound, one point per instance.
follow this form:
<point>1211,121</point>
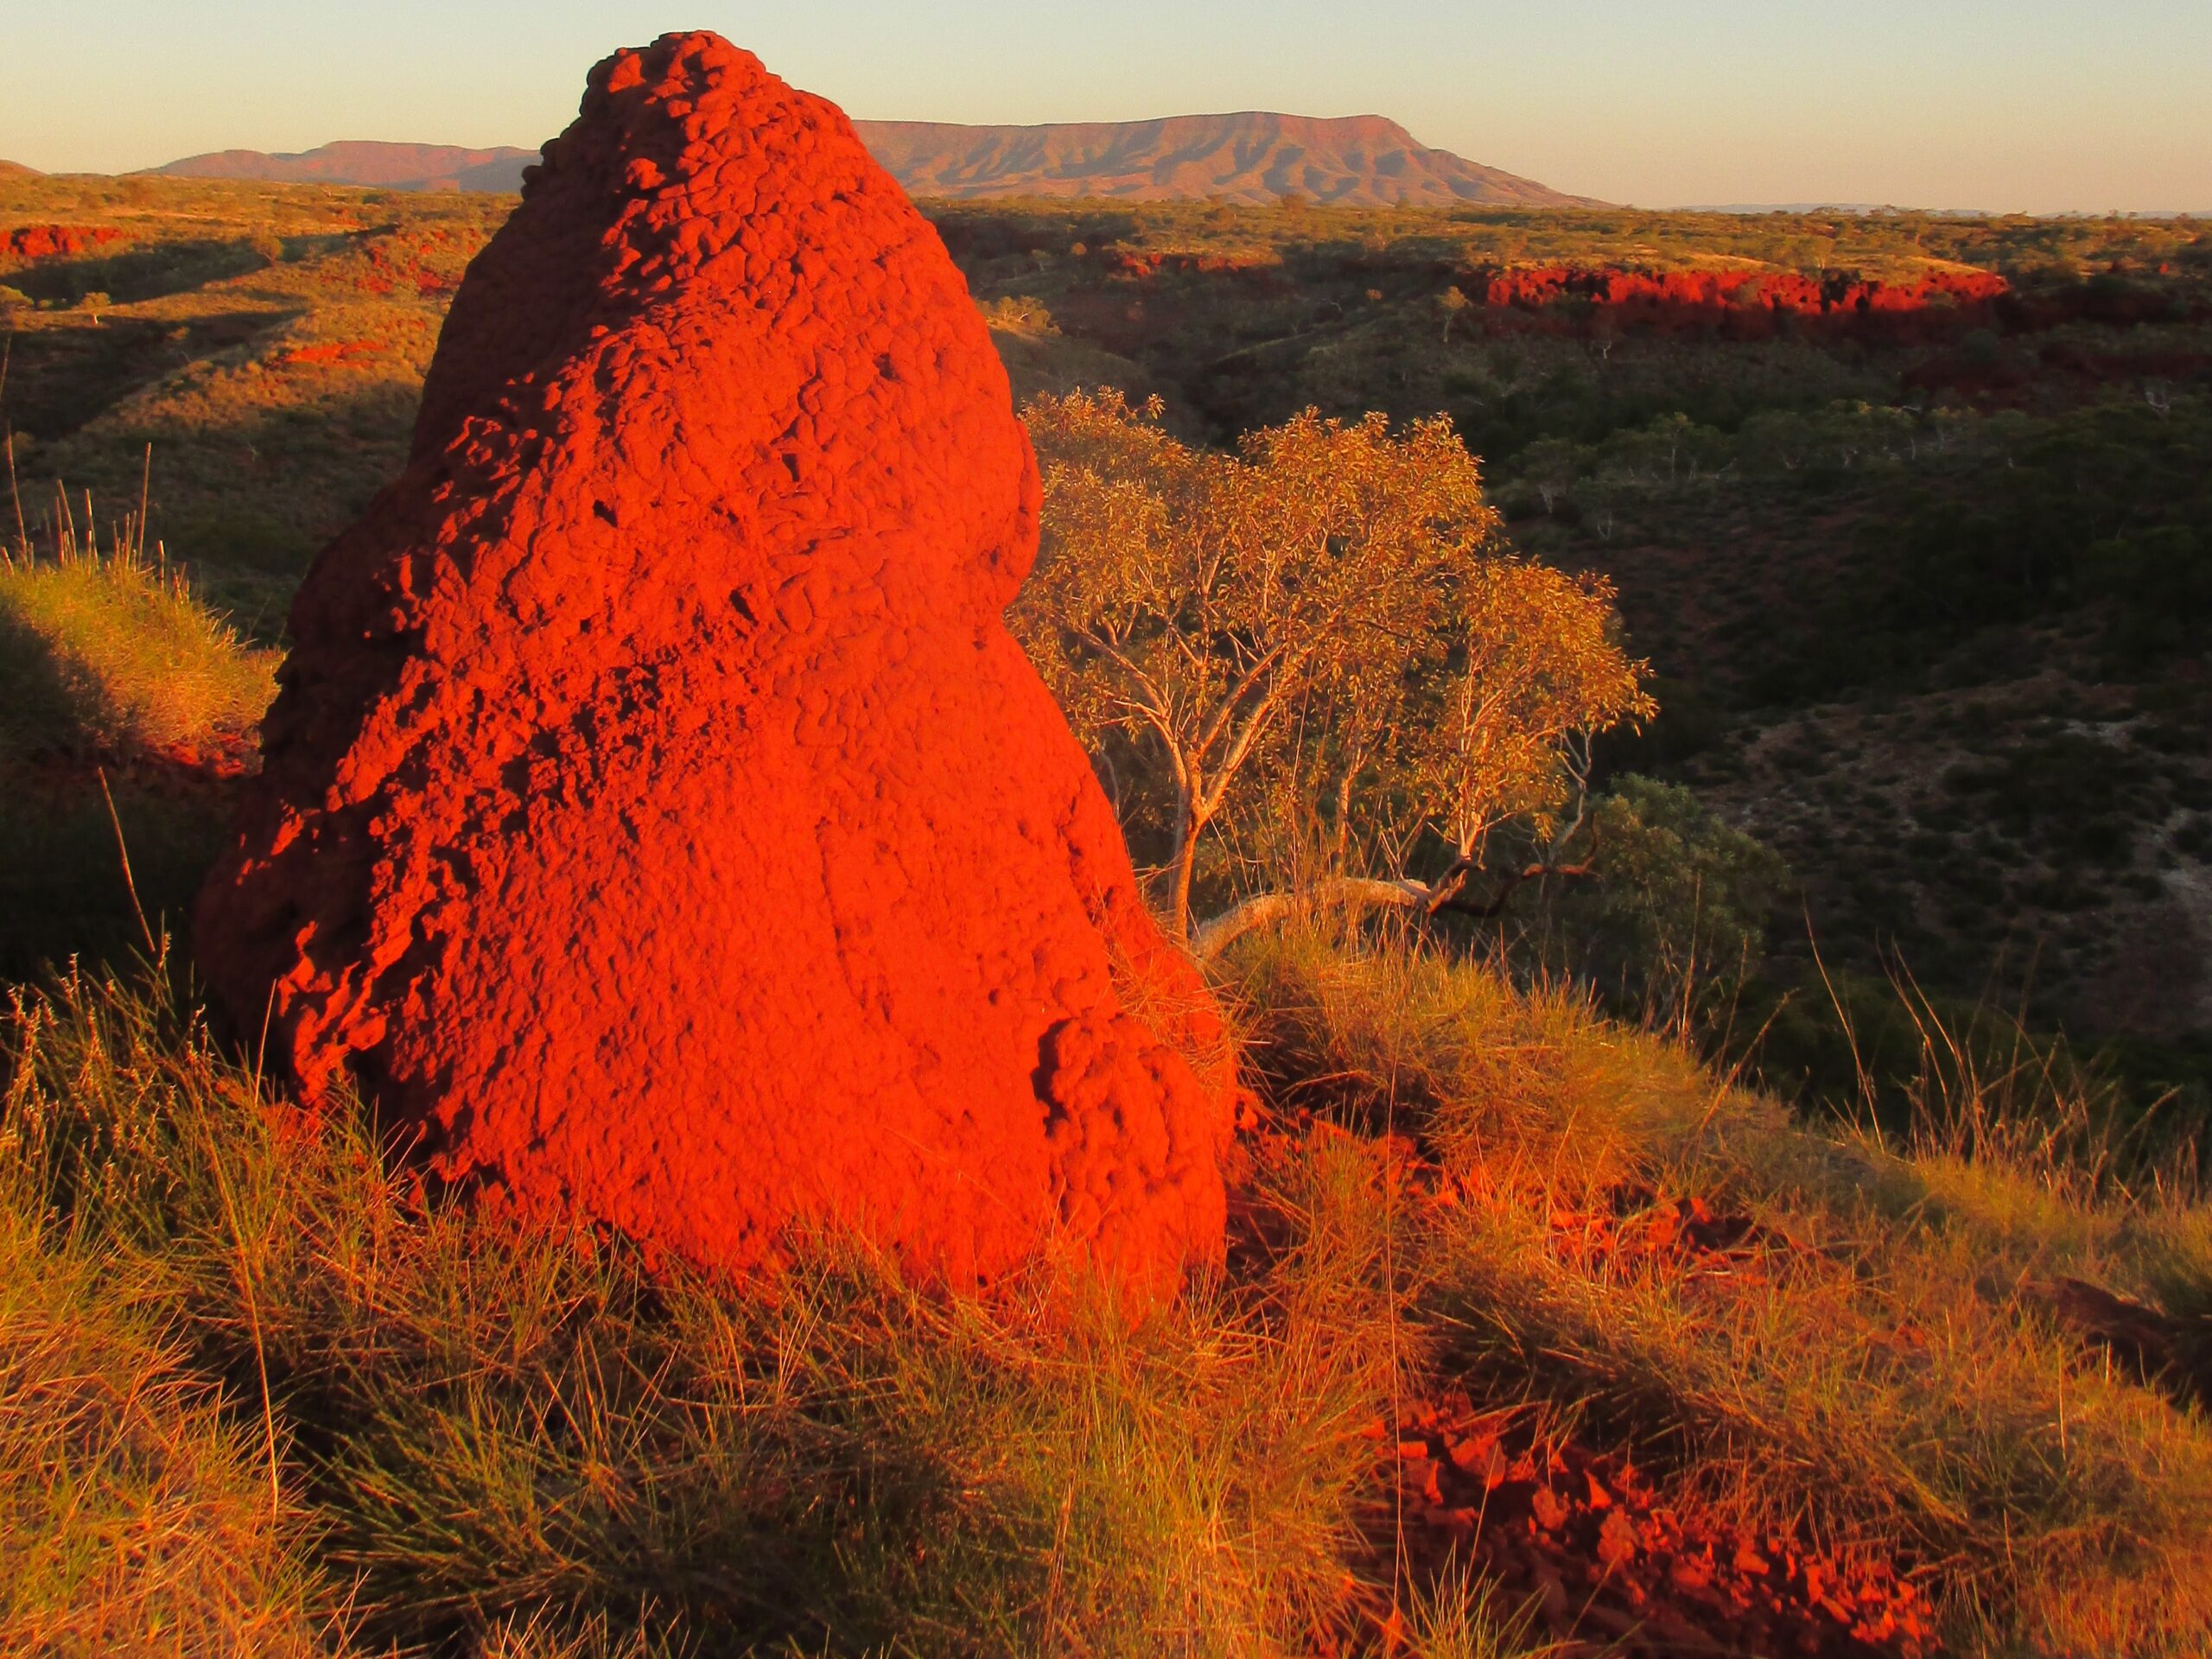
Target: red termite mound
<point>656,811</point>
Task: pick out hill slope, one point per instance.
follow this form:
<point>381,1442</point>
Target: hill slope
<point>401,166</point>
<point>1357,161</point>
<point>1360,160</point>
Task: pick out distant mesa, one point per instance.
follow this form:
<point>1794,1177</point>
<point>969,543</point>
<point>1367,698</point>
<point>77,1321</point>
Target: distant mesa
<point>1360,160</point>
<point>365,162</point>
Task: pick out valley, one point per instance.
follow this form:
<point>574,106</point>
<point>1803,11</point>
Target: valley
<point>1914,627</point>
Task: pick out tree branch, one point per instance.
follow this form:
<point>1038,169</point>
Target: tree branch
<point>1210,938</point>
<point>1429,898</point>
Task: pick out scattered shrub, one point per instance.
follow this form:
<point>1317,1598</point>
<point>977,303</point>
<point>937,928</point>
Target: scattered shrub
<point>1674,916</point>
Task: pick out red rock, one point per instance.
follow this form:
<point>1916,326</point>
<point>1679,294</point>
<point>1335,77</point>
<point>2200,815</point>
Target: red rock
<point>332,352</point>
<point>1739,304</point>
<point>657,812</point>
<point>56,241</point>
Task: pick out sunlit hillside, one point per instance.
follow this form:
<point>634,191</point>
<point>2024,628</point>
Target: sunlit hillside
<point>1675,741</point>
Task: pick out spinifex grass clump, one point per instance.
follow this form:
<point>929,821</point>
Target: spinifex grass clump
<point>135,1511</point>
<point>1876,1360</point>
<point>106,650</point>
<point>125,702</point>
<point>469,1434</point>
<point>257,1384</point>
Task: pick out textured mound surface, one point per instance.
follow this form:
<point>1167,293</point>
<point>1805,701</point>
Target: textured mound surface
<point>656,811</point>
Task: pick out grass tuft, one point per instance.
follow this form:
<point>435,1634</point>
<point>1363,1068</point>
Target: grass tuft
<point>134,1512</point>
<point>1880,1364</point>
<point>369,1416</point>
<point>106,653</point>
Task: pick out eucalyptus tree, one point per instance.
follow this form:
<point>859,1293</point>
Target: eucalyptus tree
<point>1331,607</point>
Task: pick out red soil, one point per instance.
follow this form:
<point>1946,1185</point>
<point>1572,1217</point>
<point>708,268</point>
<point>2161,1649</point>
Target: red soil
<point>657,812</point>
<point>1612,1558</point>
<point>56,241</point>
<point>1615,1561</point>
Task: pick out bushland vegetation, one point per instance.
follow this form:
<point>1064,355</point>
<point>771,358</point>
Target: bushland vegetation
<point>1917,586</point>
<point>1920,587</point>
<point>1614,1261</point>
<point>1325,626</point>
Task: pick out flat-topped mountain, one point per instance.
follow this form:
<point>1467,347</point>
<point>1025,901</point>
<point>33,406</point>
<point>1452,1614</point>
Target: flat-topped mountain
<point>393,167</point>
<point>1360,160</point>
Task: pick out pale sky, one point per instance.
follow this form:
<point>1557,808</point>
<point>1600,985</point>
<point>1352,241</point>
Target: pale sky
<point>2040,105</point>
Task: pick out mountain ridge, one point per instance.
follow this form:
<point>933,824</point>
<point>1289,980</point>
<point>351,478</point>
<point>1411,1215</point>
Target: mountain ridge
<point>371,162</point>
<point>1250,156</point>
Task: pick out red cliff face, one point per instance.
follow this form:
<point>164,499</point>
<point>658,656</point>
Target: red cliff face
<point>656,811</point>
<point>56,241</point>
<point>1744,302</point>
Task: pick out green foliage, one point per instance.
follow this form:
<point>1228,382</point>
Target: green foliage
<point>2108,505</point>
<point>1207,609</point>
<point>1675,916</point>
<point>1320,629</point>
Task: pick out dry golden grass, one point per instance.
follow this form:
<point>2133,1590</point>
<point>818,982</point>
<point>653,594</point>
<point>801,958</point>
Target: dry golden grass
<point>496,1442</point>
<point>136,1514</point>
<point>1883,1367</point>
<point>106,651</point>
<point>512,1444</point>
